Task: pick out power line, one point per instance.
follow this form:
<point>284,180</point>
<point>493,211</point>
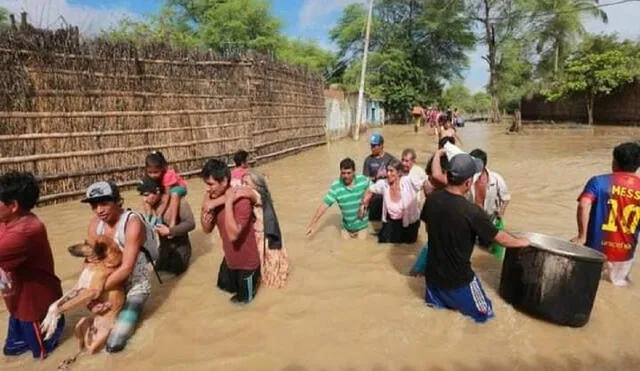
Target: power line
<point>553,12</point>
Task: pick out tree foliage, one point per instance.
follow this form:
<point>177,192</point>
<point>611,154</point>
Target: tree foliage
<point>600,65</point>
<point>558,25</point>
<point>222,25</point>
<point>4,17</point>
<point>415,46</point>
<point>307,53</point>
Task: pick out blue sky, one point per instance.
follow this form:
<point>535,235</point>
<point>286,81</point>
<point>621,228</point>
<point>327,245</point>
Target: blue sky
<point>302,18</point>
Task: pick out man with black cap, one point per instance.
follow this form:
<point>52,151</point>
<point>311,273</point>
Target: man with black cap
<point>175,246</point>
<point>453,224</point>
<point>129,232</point>
<point>375,167</point>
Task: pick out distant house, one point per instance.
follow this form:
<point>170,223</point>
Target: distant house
<point>341,110</point>
<point>373,110</point>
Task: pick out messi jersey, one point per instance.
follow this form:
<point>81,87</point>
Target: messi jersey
<point>615,213</point>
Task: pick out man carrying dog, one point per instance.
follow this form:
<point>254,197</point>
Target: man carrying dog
<point>240,269</point>
<point>28,281</point>
<point>129,232</point>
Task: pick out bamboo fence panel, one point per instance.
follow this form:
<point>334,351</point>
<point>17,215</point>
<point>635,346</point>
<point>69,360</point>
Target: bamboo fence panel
<point>78,111</point>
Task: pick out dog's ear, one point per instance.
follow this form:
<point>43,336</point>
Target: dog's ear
<point>80,250</point>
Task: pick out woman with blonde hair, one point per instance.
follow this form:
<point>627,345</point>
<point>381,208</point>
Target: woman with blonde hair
<point>274,261</point>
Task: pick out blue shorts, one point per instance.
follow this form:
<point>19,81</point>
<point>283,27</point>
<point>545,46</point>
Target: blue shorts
<point>23,336</point>
<point>470,300</point>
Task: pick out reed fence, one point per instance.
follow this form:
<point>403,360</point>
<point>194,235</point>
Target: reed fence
<point>74,112</point>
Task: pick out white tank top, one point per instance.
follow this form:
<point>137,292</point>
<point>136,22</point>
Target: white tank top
<point>138,282</point>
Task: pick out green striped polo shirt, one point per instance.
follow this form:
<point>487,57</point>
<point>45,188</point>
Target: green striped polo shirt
<point>348,199</point>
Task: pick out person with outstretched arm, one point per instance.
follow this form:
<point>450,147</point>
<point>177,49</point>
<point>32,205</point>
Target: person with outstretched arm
<point>346,191</point>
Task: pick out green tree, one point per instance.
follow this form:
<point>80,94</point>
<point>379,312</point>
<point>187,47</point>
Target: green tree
<point>415,45</point>
<point>559,25</point>
<point>4,17</point>
<point>214,24</point>
<point>515,72</point>
<point>501,25</point>
<point>459,96</point>
<point>307,53</point>
<point>598,67</point>
<point>480,103</point>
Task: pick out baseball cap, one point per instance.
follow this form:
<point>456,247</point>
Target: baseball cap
<point>463,166</point>
<point>376,139</point>
<point>149,185</point>
<point>102,191</point>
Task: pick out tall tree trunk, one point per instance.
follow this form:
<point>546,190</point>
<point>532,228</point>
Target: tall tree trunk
<point>590,103</point>
<point>555,61</point>
<point>493,75</point>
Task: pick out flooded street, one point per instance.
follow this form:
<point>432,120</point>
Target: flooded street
<point>349,305</point>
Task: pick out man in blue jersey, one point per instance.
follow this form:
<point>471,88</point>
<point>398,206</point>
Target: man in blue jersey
<point>609,213</point>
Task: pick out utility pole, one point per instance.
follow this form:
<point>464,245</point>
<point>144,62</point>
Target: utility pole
<point>356,135</point>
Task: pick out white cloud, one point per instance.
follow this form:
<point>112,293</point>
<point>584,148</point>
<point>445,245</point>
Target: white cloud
<point>314,12</point>
<point>54,13</point>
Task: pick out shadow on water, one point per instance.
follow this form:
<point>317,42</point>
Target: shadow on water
<point>402,258</point>
<point>200,246</point>
<point>565,362</point>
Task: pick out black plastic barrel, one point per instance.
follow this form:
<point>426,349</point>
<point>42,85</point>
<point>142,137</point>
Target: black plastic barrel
<point>554,280</point>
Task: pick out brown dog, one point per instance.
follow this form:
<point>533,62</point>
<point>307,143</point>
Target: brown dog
<point>101,258</point>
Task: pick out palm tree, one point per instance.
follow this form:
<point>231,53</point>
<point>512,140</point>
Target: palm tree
<point>559,25</point>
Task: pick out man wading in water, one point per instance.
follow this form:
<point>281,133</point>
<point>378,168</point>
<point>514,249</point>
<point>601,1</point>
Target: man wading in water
<point>240,269</point>
<point>453,224</point>
<point>347,191</point>
<point>609,212</point>
<point>175,246</point>
<point>375,168</point>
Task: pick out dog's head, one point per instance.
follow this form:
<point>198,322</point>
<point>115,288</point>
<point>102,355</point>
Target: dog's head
<point>102,249</point>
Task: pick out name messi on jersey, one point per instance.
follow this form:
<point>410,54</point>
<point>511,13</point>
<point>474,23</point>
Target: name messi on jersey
<point>625,192</point>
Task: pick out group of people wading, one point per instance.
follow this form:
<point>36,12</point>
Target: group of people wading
<point>238,203</point>
<point>459,199</point>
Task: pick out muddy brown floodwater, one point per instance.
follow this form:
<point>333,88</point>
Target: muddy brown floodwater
<point>348,305</point>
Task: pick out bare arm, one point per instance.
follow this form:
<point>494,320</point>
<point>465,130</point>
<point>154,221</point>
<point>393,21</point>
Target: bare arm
<point>207,221</point>
<point>455,135</point>
<point>365,203</point>
<point>319,213</point>
<point>506,240</point>
<point>134,240</point>
<point>237,215</point>
<point>582,218</point>
<point>436,170</point>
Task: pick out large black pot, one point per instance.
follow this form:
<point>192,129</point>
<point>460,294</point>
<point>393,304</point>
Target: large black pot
<point>554,280</point>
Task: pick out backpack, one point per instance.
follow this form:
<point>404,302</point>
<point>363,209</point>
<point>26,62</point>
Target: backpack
<point>151,247</point>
